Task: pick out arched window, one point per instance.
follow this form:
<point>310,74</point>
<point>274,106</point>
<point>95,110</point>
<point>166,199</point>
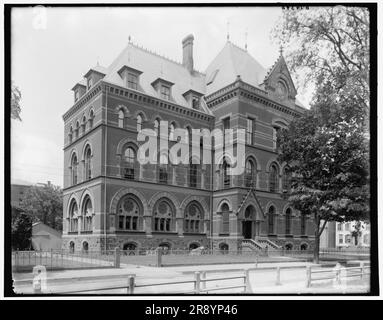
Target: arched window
<point>87,212</point>
<point>273,178</point>
<point>73,217</point>
<point>224,248</point>
<point>85,247</point>
<point>130,212</point>
<point>139,123</point>
<point>129,161</point>
<point>226,176</point>
<point>77,130</point>
<point>70,135</point>
<point>171,132</point>
<point>193,172</point>
<point>83,125</point>
<point>163,169</point>
<point>288,221</point>
<point>225,218</point>
<point>156,126</point>
<point>74,165</point>
<point>71,247</point>
<point>250,173</point>
<point>303,224</point>
<point>164,214</point>
<point>271,218</point>
<point>88,164</point>
<point>121,118</point>
<point>286,179</point>
<point>193,221</point>
<point>91,118</point>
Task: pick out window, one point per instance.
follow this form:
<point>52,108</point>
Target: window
<point>226,125</point>
<point>77,130</point>
<point>195,102</point>
<point>303,224</point>
<point>171,132</point>
<point>366,239</point>
<point>156,126</point>
<point>164,216</point>
<point>275,136</point>
<point>286,179</point>
<point>339,226</point>
<point>250,173</point>
<point>273,178</point>
<point>288,221</point>
<point>88,165</point>
<point>129,159</point>
<point>225,219</point>
<point>193,175</point>
<point>165,92</point>
<point>226,176</point>
<point>89,82</point>
<point>132,81</point>
<point>73,221</point>
<point>91,117</point>
<point>193,221</point>
<point>74,165</point>
<point>271,218</point>
<point>76,96</point>
<point>121,118</point>
<point>87,213</point>
<point>70,135</point>
<point>129,211</point>
<point>139,123</point>
<point>348,238</point>
<point>163,172</point>
<point>83,125</point>
<point>347,226</point>
<point>340,238</point>
<point>249,131</point>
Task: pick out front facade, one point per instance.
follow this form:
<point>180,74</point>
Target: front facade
<point>345,237</point>
<point>111,199</point>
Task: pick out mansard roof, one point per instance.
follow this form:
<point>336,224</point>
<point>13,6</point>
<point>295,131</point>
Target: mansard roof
<point>228,64</point>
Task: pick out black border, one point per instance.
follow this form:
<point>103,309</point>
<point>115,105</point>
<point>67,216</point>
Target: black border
<point>374,288</point>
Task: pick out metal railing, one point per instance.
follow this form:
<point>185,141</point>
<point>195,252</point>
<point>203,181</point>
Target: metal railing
<point>62,259</point>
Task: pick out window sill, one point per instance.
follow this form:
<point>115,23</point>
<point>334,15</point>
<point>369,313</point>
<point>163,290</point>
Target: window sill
<point>195,233</point>
<point>86,232</point>
<point>129,231</point>
<point>224,234</point>
<point>163,232</point>
<point>72,232</point>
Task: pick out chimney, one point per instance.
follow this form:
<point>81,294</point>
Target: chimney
<point>187,58</point>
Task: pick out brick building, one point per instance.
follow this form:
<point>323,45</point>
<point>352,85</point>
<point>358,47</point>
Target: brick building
<point>110,198</point>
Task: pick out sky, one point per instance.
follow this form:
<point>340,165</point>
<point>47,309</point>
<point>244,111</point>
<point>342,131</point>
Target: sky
<point>52,48</point>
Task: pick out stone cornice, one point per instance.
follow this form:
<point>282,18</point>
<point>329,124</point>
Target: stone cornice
<point>242,89</point>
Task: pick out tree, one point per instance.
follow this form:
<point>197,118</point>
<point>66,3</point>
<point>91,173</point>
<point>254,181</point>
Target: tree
<point>21,230</point>
<point>329,49</point>
<point>15,102</point>
<point>44,203</point>
<point>328,158</point>
<point>357,231</point>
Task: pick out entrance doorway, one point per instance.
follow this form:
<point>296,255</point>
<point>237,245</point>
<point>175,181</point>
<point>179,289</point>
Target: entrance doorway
<point>247,229</point>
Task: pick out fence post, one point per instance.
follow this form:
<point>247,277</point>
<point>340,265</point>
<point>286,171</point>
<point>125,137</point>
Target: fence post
<point>117,257</point>
<point>337,275</point>
<point>203,278</point>
<point>131,285</point>
<point>308,276</point>
<point>51,259</point>
<point>197,283</point>
<point>278,282</point>
<point>248,288</point>
<point>361,269</point>
<point>159,257</point>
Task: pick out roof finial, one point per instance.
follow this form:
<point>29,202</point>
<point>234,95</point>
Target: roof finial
<point>281,50</point>
<point>228,33</point>
<point>246,39</point>
<point>129,38</point>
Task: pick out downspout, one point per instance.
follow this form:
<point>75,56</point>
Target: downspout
<point>105,159</point>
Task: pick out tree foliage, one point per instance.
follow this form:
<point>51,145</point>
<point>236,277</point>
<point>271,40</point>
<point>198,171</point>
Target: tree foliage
<point>21,232</point>
<point>44,203</point>
<point>329,48</point>
<point>15,102</point>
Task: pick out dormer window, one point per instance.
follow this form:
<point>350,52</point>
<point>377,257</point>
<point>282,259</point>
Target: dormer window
<point>165,92</point>
<point>94,75</point>
<point>163,87</point>
<point>193,98</point>
<point>79,90</point>
<point>130,77</point>
<point>76,96</point>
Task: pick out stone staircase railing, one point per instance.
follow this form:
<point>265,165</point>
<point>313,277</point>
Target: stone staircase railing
<point>253,244</point>
<point>268,242</point>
